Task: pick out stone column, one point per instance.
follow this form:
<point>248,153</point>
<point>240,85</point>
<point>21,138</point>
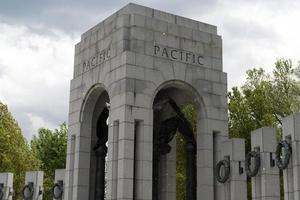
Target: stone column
<point>112,159</point>
<point>204,157</point>
<point>125,155</point>
<point>236,187</point>
<point>69,173</point>
<point>6,184</point>
<point>143,148</point>
<point>60,179</point>
<point>265,184</point>
<point>36,178</point>
<point>143,160</point>
<point>131,175</point>
<point>291,175</point>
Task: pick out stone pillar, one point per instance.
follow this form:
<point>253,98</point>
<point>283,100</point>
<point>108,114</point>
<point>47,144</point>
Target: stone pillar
<point>236,187</point>
<point>59,178</point>
<point>6,185</point>
<point>291,175</point>
<point>130,152</point>
<point>125,155</point>
<point>112,159</point>
<point>36,178</point>
<point>70,161</point>
<point>59,175</point>
<point>205,154</point>
<point>218,137</point>
<point>143,156</point>
<point>265,184</point>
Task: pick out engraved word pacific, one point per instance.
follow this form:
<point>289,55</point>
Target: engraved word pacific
<point>96,60</point>
<point>178,55</point>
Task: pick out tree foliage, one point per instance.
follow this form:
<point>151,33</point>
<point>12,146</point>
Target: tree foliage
<point>15,153</point>
<point>50,147</point>
<point>264,100</point>
<point>191,115</point>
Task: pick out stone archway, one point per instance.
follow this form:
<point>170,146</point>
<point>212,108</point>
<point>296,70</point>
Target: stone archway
<point>138,55</point>
<point>169,120</point>
<point>94,126</point>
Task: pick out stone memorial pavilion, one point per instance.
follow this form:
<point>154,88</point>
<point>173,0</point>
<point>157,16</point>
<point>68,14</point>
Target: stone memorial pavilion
<point>132,72</point>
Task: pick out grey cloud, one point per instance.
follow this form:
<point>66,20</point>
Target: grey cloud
<point>78,16</point>
<point>183,7</point>
<point>2,70</point>
<point>242,38</point>
<point>21,115</point>
<point>53,108</point>
<point>249,29</point>
<point>69,16</point>
<point>37,82</point>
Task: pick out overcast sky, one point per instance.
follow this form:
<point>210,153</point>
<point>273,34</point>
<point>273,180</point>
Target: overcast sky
<point>37,41</point>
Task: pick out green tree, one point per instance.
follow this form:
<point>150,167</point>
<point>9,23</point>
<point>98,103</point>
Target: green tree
<point>250,107</point>
<point>15,153</point>
<point>50,148</point>
<point>191,115</point>
<point>264,100</point>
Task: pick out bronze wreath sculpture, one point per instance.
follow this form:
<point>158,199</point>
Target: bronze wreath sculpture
<point>283,163</point>
<point>28,191</point>
<point>256,155</point>
<point>226,164</point>
<point>57,190</point>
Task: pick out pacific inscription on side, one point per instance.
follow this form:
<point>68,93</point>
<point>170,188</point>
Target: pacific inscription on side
<point>96,60</point>
<point>178,55</point>
<point>161,51</point>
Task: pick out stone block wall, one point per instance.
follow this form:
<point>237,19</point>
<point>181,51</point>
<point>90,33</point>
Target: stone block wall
<point>133,55</point>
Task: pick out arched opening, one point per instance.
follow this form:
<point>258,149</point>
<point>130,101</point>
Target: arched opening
<point>174,131</point>
<point>94,125</point>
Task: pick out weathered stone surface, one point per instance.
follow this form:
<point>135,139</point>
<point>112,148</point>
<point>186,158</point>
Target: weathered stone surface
<point>36,178</point>
<point>6,181</point>
<point>127,60</point>
<point>266,183</point>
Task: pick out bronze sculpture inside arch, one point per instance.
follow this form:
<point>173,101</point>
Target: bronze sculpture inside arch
<point>100,150</point>
<point>165,129</point>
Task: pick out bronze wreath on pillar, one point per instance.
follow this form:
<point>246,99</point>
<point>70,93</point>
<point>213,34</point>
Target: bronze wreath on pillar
<point>58,190</point>
<point>287,152</point>
<point>226,165</point>
<point>28,191</point>
<point>256,155</point>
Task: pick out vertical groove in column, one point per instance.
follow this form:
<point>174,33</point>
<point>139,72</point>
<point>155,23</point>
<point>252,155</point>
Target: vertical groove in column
<point>138,160</point>
<point>215,154</point>
<point>136,139</point>
<point>71,173</point>
<point>115,159</point>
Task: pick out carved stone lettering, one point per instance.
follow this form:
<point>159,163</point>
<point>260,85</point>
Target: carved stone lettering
<point>178,55</point>
<point>96,60</point>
